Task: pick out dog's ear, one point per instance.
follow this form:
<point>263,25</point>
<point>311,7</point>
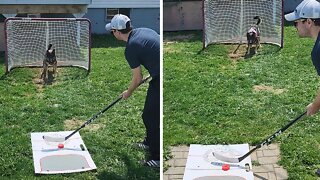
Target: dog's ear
<point>47,53</point>
<point>49,46</point>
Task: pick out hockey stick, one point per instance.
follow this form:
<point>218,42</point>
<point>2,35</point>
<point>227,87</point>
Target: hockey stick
<point>246,167</point>
<point>62,139</point>
<point>265,142</point>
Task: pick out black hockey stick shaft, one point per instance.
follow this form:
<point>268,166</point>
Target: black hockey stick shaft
<point>272,137</point>
<point>101,112</point>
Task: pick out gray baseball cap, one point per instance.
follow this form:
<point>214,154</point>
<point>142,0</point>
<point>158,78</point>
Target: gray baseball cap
<point>306,9</point>
<point>118,22</point>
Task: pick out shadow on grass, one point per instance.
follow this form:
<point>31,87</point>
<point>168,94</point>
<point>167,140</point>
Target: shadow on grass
<point>2,63</point>
<point>73,73</point>
<point>196,36</point>
<point>269,49</point>
<point>134,171</point>
<point>1,57</point>
<point>62,74</point>
<point>50,78</point>
<point>250,54</point>
<point>3,77</point>
<point>216,49</point>
<point>232,51</point>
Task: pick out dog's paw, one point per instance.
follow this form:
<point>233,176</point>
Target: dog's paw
<point>55,74</point>
<point>38,81</point>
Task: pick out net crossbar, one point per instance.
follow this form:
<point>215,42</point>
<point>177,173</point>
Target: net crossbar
<point>227,21</point>
<point>27,40</point>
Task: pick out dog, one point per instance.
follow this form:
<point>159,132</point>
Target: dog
<point>50,59</point>
<point>253,36</point>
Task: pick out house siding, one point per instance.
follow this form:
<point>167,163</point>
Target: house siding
<point>125,4</point>
<point>143,13</point>
<point>177,16</point>
<point>17,2</point>
<point>97,19</point>
<point>149,17</point>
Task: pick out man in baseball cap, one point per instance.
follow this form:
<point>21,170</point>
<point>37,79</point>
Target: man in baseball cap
<point>119,22</point>
<point>142,51</point>
<point>306,9</point>
<point>306,18</point>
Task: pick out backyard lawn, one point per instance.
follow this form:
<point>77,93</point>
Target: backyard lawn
<point>217,97</point>
<point>64,104</point>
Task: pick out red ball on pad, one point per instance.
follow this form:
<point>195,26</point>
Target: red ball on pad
<point>60,146</point>
<point>225,167</point>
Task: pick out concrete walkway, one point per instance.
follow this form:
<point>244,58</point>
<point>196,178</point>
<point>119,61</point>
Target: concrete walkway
<point>264,161</point>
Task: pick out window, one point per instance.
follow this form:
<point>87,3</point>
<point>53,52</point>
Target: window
<point>33,15</point>
<point>110,12</point>
<point>2,18</point>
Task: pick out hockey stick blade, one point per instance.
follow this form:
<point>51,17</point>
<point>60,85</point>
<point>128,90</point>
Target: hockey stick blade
<point>53,139</point>
<point>265,142</point>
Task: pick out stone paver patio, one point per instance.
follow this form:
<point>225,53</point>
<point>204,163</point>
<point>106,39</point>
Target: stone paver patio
<point>266,158</point>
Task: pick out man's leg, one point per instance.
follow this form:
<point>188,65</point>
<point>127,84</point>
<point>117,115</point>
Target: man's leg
<point>151,118</point>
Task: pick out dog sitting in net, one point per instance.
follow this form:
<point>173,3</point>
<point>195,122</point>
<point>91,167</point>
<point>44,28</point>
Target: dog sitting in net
<point>253,36</point>
<point>50,59</point>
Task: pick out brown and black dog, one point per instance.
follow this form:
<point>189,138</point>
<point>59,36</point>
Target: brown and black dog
<point>253,36</point>
<point>50,59</point>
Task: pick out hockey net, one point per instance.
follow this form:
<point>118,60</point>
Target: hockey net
<point>27,40</point>
<point>227,21</point>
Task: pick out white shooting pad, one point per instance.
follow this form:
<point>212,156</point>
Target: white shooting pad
<point>202,165</point>
<point>49,159</point>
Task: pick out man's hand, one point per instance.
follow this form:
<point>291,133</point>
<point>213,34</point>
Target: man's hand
<point>126,94</point>
<point>312,109</point>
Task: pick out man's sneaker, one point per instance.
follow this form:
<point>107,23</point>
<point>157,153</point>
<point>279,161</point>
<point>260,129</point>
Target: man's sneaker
<point>318,172</point>
<point>141,146</point>
<point>151,163</point>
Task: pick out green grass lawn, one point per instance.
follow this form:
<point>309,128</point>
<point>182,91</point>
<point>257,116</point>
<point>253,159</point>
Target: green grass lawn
<point>71,99</point>
<point>211,98</point>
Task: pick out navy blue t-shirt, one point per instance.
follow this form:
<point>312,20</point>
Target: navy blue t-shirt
<point>143,48</point>
<point>315,55</point>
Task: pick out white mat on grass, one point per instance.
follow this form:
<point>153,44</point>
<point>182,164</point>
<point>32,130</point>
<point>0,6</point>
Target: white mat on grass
<point>200,163</point>
<point>49,159</point>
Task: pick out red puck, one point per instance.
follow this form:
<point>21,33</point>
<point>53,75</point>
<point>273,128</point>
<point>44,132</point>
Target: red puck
<point>225,167</point>
<point>60,146</point>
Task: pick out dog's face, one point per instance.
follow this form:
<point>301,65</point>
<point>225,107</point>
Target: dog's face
<point>51,56</point>
<point>50,59</point>
<point>251,37</point>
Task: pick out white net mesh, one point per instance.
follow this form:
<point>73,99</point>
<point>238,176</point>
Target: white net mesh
<point>27,41</point>
<point>227,21</point>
